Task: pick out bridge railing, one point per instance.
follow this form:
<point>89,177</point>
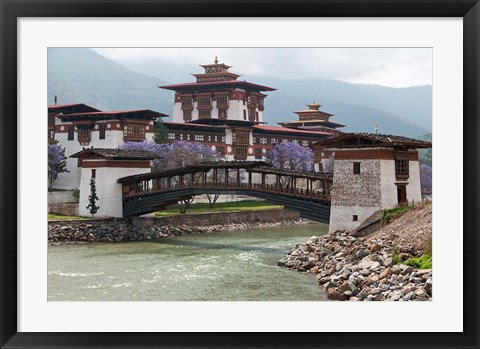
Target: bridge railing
<point>148,188</point>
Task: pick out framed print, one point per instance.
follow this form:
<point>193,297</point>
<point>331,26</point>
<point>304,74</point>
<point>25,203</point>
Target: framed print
<point>45,303</point>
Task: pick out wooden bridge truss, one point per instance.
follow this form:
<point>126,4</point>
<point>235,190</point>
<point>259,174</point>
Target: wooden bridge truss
<point>306,192</point>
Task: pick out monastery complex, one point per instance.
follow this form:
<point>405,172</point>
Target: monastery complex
<point>368,172</point>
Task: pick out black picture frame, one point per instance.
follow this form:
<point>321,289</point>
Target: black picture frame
<point>11,10</point>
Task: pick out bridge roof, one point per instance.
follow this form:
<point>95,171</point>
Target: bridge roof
<point>200,167</point>
<point>298,174</point>
<point>113,154</point>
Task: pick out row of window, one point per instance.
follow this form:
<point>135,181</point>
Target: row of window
<point>84,133</point>
<point>204,113</point>
<point>222,100</point>
<point>401,168</point>
<point>268,140</point>
<point>195,137</point>
<point>187,102</point>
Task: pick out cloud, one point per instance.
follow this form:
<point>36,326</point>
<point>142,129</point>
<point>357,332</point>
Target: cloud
<point>396,67</point>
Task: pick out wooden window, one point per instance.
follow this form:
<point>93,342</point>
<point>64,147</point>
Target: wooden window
<point>171,136</point>
<point>101,131</point>
<point>260,104</point>
<point>199,138</point>
<point>51,120</point>
<point>187,115</point>
<point>240,153</point>
<point>222,101</point>
<point>356,168</point>
<point>355,217</point>
<point>71,133</point>
<point>134,133</point>
<point>251,114</point>
<point>204,113</point>
<point>263,140</point>
<point>258,153</point>
<point>84,135</point>
<point>244,114</point>
<point>186,102</point>
<point>79,162</point>
<point>241,137</point>
<point>94,173</point>
<point>204,102</point>
<point>401,167</point>
<point>223,139</point>
<point>222,113</point>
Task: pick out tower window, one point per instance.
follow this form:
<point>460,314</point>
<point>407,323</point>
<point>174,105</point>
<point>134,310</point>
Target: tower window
<point>94,173</point>
<point>101,130</point>
<point>355,217</point>
<point>222,113</point>
<point>71,132</point>
<point>401,167</point>
<point>187,115</point>
<point>356,168</point>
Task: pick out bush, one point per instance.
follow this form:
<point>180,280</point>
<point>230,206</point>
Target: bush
<point>396,257</point>
<point>422,262</point>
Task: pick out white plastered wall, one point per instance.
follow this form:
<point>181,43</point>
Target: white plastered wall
<point>109,192</point>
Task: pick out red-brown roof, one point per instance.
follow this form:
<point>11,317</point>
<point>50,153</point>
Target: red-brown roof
<point>290,130</point>
<point>189,124</point>
<point>79,107</point>
<point>251,85</point>
<point>359,140</point>
<point>114,154</point>
<point>98,114</point>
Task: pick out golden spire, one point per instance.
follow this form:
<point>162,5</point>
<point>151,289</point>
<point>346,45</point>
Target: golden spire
<point>216,60</point>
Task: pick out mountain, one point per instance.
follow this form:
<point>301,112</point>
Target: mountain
<point>413,104</point>
<point>80,75</point>
<point>425,155</point>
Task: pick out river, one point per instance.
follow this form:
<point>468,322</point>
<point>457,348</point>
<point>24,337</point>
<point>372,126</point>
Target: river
<point>225,266</point>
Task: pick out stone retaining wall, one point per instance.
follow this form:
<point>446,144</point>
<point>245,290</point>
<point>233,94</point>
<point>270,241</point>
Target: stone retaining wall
<point>58,197</point>
<point>117,230</point>
<point>64,209</point>
<point>205,219</point>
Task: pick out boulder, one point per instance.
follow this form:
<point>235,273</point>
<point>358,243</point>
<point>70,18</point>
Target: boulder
<point>335,295</point>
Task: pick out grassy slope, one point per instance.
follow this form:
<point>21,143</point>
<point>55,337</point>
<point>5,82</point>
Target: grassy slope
<point>219,207</point>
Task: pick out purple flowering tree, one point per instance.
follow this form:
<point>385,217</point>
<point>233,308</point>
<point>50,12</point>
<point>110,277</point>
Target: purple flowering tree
<point>426,179</point>
<point>176,155</point>
<point>145,145</point>
<point>183,153</point>
<point>57,162</point>
<point>291,156</point>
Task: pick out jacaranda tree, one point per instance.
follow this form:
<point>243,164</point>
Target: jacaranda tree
<point>291,156</point>
<point>426,179</point>
<point>176,155</point>
<point>57,162</point>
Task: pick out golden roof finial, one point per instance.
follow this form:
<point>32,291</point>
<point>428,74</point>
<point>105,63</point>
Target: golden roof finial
<point>216,60</point>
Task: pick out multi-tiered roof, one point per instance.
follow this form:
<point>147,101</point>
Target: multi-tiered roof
<point>312,119</point>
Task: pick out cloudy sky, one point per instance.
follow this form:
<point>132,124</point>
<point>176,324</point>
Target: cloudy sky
<point>394,67</point>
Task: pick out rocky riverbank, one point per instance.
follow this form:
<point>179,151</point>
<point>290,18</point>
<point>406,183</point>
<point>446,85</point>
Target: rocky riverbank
<point>114,231</point>
<point>364,268</point>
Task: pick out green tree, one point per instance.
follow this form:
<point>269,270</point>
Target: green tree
<point>92,199</point>
<point>160,133</point>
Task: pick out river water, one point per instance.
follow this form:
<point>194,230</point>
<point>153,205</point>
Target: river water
<point>231,266</point>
